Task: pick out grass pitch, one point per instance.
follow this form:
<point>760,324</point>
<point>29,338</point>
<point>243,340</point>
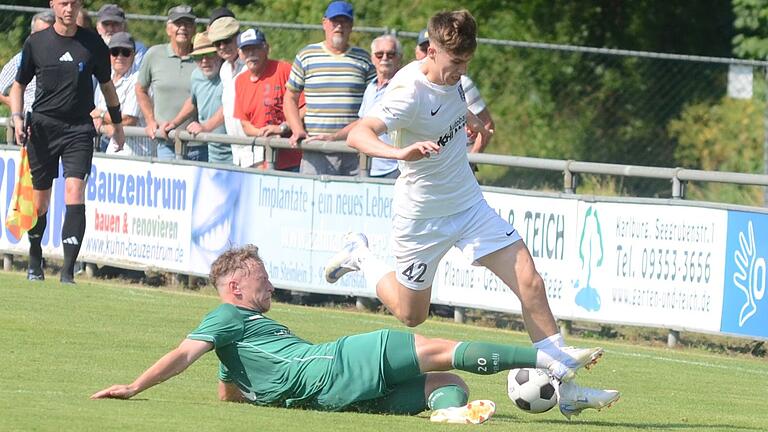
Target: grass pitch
<point>62,343</point>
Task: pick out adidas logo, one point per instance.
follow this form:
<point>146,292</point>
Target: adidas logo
<point>66,57</point>
<point>71,240</point>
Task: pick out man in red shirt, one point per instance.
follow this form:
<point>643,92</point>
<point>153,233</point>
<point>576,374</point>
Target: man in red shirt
<point>259,95</point>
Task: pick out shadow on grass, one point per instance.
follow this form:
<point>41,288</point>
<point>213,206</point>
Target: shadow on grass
<point>629,425</point>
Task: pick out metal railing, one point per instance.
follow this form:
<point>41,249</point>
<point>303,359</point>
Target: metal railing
<point>569,168</point>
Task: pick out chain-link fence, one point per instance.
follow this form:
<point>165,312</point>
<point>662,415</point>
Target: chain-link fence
<point>567,102</point>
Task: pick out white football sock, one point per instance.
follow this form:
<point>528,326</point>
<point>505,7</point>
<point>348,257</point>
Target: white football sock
<point>549,349</point>
<point>556,339</point>
<point>372,267</point>
<point>543,360</point>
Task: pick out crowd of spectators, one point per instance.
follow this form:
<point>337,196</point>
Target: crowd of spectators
<point>222,80</point>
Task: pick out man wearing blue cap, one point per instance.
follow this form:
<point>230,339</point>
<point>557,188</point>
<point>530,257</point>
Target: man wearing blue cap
<point>333,76</point>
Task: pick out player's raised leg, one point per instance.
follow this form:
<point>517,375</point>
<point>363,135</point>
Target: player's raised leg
<point>410,306</point>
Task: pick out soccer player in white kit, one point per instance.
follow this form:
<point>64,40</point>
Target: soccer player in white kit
<point>438,203</point>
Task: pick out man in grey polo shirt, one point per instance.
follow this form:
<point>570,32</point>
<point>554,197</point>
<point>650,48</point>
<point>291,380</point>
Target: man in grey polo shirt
<point>166,71</point>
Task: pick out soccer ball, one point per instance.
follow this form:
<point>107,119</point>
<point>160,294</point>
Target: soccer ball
<point>531,390</point>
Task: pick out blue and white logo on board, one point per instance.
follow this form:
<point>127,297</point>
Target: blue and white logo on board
<point>591,257</point>
<point>745,307</point>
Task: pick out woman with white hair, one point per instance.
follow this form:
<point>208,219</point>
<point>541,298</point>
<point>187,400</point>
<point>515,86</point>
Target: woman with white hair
<point>122,53</point>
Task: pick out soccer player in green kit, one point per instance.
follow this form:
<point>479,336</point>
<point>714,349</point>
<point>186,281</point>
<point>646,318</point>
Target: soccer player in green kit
<point>386,371</point>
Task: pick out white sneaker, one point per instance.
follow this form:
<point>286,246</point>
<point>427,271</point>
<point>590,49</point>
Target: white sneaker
<point>344,261</point>
<point>574,398</point>
<point>571,360</point>
<point>475,412</point>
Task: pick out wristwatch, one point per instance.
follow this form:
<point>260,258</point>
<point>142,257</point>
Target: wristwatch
<point>284,129</point>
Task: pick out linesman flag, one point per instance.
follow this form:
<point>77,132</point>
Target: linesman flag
<point>21,215</point>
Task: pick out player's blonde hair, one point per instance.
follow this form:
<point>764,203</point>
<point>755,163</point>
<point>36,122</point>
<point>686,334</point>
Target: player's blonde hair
<point>240,258</point>
<point>455,32</point>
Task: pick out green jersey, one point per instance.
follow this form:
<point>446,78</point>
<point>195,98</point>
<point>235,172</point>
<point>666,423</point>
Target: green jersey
<point>271,366</point>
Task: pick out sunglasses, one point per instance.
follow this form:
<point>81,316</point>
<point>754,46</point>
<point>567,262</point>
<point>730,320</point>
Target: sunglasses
<point>200,57</point>
<point>125,52</point>
<point>226,41</point>
<point>389,54</point>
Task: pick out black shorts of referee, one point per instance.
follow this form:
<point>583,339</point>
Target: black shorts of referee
<point>52,140</point>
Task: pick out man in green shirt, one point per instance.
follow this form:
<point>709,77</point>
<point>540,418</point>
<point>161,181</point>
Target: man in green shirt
<point>385,371</point>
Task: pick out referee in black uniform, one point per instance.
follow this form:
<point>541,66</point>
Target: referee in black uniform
<point>63,58</point>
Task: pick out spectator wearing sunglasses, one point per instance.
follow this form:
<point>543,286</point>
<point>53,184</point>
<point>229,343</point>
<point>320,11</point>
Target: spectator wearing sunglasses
<point>122,55</point>
<point>166,73</point>
<point>205,99</point>
<point>387,56</point>
<point>110,20</point>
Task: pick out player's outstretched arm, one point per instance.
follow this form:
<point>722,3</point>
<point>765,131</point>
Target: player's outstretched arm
<point>170,365</point>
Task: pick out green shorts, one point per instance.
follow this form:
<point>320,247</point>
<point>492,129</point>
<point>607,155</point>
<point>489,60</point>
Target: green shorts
<point>375,372</point>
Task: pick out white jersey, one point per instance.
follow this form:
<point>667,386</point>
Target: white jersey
<point>415,109</point>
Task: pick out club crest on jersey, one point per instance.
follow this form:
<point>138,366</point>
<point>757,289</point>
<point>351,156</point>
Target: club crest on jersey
<point>461,93</point>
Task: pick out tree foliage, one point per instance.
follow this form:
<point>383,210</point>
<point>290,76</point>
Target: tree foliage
<point>751,25</point>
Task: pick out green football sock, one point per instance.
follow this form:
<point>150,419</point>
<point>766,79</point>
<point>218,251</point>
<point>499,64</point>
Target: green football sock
<point>446,397</point>
<point>488,358</point>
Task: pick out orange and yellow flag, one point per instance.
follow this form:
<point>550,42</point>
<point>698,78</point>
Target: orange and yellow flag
<point>21,212</point>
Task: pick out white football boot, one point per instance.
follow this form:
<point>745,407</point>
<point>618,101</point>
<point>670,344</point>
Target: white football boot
<point>344,261</point>
<point>574,399</point>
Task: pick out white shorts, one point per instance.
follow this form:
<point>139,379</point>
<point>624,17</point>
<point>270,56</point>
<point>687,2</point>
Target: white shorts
<point>420,244</point>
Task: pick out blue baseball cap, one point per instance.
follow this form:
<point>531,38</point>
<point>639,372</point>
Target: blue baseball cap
<point>251,36</point>
<point>423,37</point>
<point>339,8</point>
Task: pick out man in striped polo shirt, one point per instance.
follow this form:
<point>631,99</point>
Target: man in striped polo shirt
<point>333,76</point>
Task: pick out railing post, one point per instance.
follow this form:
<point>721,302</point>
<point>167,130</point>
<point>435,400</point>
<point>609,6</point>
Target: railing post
<point>459,314</point>
<point>364,170</point>
<point>180,147</point>
<point>269,153</point>
<point>678,188</point>
<point>10,136</point>
<point>673,337</point>
<point>569,181</point>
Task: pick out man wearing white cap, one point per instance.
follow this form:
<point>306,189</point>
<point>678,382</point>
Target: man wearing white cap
<point>223,32</point>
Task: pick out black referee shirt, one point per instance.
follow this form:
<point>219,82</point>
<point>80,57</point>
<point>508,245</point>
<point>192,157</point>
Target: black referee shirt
<point>63,67</point>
